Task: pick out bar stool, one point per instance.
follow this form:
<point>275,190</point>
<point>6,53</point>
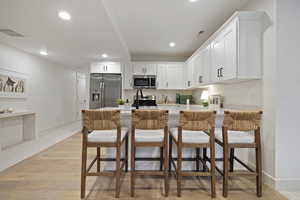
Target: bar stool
<point>149,129</point>
<point>195,130</point>
<point>237,132</point>
<point>103,129</point>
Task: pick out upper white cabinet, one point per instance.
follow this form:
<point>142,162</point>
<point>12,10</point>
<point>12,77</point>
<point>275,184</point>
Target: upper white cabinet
<point>236,48</point>
<point>225,54</point>
<point>127,75</point>
<point>189,76</point>
<point>106,67</point>
<point>233,53</point>
<point>170,76</point>
<point>144,68</point>
<point>202,65</point>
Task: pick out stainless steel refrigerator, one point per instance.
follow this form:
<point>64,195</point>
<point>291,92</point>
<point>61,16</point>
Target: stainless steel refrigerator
<point>105,89</point>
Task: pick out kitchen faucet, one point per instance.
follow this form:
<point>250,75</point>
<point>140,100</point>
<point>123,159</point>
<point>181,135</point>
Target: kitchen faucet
<point>137,97</point>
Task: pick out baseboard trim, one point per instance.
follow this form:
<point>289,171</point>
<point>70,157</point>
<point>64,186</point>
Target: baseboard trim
<point>279,184</point>
<point>13,155</point>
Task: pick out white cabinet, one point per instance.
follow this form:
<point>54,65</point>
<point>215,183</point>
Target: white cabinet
<point>232,53</point>
<point>106,67</point>
<point>224,54</point>
<point>206,65</point>
<point>174,76</point>
<point>161,78</point>
<point>144,68</point>
<point>202,65</point>
<point>189,82</point>
<point>170,76</point>
<point>236,48</point>
<point>127,76</point>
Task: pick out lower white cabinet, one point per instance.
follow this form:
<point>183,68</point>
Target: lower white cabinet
<point>106,67</point>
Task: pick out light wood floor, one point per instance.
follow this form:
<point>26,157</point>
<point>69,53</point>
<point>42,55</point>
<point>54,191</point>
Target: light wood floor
<point>55,174</point>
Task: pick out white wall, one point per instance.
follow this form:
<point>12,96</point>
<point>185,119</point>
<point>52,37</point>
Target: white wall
<point>51,88</point>
<point>268,88</point>
<point>239,94</point>
<point>287,122</point>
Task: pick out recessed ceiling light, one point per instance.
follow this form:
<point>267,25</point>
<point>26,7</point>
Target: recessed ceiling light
<point>172,44</point>
<point>104,55</point>
<point>64,15</point>
<point>44,53</point>
<point>193,1</point>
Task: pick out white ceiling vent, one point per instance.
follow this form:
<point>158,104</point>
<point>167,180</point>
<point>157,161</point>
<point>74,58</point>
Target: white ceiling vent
<point>11,33</point>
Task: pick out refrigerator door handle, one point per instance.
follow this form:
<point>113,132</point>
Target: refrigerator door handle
<point>102,91</point>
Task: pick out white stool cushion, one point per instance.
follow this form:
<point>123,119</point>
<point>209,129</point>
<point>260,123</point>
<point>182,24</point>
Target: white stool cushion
<point>188,136</point>
<point>236,136</point>
<point>106,135</point>
<point>155,135</point>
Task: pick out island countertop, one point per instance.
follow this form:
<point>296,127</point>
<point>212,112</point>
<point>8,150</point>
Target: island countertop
<point>173,109</point>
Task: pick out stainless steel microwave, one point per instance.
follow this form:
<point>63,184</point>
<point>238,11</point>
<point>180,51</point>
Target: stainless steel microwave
<point>146,82</point>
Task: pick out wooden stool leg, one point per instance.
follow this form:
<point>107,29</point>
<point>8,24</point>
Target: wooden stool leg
<point>197,159</point>
<point>231,158</point>
<point>126,154</point>
<point>170,153</point>
<point>161,158</point>
<point>179,163</point>
<point>118,170</point>
<point>225,170</point>
<point>98,159</point>
<point>133,148</point>
<point>258,165</point>
<point>83,167</point>
<point>213,165</point>
<point>204,159</point>
<point>166,173</point>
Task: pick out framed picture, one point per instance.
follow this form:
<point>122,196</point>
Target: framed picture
<point>13,84</point>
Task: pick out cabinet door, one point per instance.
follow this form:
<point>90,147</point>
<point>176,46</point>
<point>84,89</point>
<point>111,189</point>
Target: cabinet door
<point>206,65</point>
<point>113,68</point>
<point>230,52</point>
<point>198,69</point>
<point>151,69</point>
<point>189,75</point>
<point>174,76</point>
<point>143,68</point>
<point>127,75</point>
<point>106,67</point>
<point>161,79</point>
<point>98,68</point>
<point>217,58</point>
<point>138,68</point>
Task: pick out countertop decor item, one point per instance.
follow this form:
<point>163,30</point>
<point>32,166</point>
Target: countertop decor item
<point>204,98</point>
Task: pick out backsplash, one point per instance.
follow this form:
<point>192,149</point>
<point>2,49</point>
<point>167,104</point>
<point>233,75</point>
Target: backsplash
<point>171,94</point>
<point>247,93</point>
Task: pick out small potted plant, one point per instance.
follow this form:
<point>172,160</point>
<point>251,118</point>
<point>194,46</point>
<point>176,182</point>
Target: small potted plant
<point>121,103</point>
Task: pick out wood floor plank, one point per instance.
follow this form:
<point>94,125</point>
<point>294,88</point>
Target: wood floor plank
<point>55,174</point>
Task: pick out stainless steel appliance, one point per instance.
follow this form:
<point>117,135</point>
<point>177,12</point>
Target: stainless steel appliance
<point>105,89</point>
<point>144,82</point>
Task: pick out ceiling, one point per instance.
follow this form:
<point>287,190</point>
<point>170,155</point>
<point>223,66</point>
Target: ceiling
<point>119,28</point>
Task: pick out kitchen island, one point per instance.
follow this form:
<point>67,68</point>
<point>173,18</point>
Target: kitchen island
<point>174,111</point>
